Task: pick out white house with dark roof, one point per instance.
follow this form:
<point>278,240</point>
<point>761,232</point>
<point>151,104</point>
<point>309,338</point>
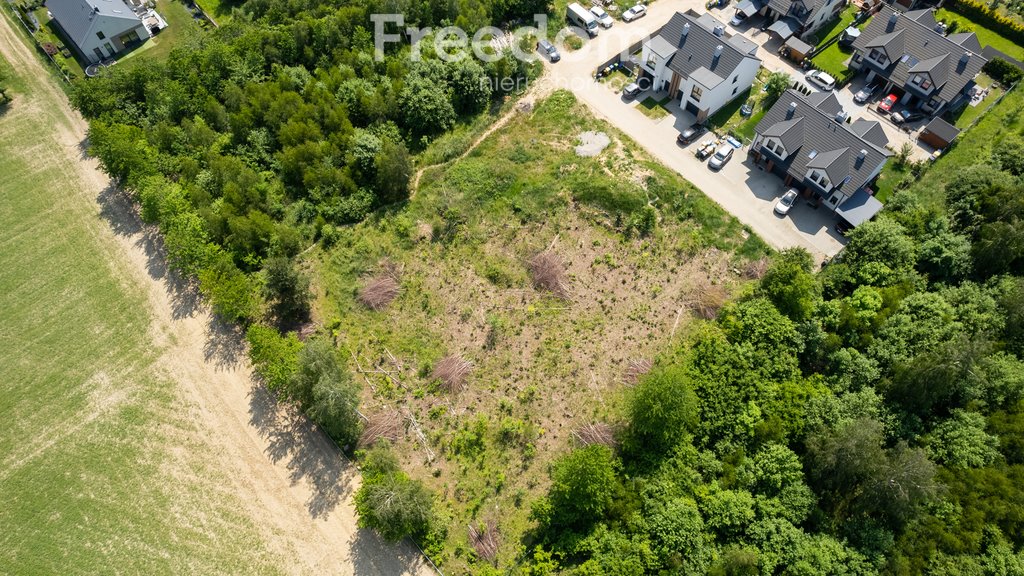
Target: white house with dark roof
<point>694,60</point>
<point>807,141</point>
<point>98,29</point>
<point>910,54</point>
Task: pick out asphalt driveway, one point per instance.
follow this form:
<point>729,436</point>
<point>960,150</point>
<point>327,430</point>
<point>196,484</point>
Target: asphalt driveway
<point>742,189</point>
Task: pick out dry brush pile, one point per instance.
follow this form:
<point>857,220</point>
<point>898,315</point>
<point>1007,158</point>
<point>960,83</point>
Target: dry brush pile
<point>382,288</point>
<point>548,273</point>
<point>452,372</point>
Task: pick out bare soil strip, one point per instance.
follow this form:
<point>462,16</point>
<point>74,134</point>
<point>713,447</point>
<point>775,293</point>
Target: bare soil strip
<point>296,484</point>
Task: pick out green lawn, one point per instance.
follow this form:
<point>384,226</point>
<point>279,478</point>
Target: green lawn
<point>833,59</point>
<point>963,118</point>
<point>102,470</point>
<point>985,36</point>
<point>728,118</point>
<point>836,26</point>
<point>653,108</point>
<point>974,144</point>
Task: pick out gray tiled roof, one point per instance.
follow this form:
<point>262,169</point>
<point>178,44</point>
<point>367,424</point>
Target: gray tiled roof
<point>786,7</point>
<point>695,52</point>
<point>814,139</point>
<point>834,162</point>
<point>911,42</point>
<point>826,102</point>
<point>76,17</point>
<point>968,40</point>
<point>871,131</point>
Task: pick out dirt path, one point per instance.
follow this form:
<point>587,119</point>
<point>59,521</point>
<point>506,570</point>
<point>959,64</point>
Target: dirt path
<point>538,91</point>
<point>295,484</point>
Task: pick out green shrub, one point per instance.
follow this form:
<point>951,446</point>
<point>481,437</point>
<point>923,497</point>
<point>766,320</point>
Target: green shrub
<point>1002,71</point>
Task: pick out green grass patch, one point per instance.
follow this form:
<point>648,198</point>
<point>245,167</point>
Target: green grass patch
<point>654,108</point>
<point>968,114</point>
<point>833,60</point>
<point>728,118</point>
<point>836,26</point>
<point>617,80</point>
<point>985,36</point>
<point>972,146</point>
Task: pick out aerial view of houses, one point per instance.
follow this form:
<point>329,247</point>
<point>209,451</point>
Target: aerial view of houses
<point>909,53</point>
<point>102,29</point>
<point>806,140</point>
<point>696,61</point>
<point>666,288</point>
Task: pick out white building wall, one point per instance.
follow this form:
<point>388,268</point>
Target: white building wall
<point>112,29</point>
<point>712,100</point>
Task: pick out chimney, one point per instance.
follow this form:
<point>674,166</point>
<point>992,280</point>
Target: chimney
<point>862,155</point>
<point>965,57</point>
<point>791,110</point>
<point>840,116</point>
<point>892,21</point>
<point>719,30</point>
<point>686,29</point>
<point>718,51</point>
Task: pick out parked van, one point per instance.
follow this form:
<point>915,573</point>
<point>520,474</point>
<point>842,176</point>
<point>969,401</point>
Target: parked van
<point>576,15</point>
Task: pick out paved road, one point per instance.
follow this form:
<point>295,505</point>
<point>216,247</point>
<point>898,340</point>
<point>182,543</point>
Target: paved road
<point>742,189</point>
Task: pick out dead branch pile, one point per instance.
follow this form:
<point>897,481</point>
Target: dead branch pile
<point>755,270</point>
<point>595,433</point>
<point>382,426</point>
<point>452,371</point>
<point>636,368</point>
<point>485,541</point>
<point>548,273</point>
<point>380,290</point>
<point>708,300</point>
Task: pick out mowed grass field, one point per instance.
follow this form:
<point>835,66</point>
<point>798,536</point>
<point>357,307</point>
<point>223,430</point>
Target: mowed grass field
<point>101,468</point>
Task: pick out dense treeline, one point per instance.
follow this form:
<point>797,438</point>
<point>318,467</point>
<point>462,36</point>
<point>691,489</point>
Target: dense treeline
<point>248,144</point>
<point>252,142</point>
<point>865,419</point>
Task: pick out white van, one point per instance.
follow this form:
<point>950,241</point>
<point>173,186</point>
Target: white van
<point>576,15</point>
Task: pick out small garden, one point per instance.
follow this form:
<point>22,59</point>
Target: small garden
<point>958,23</point>
<point>655,108</point>
<point>833,59</point>
<point>730,119</point>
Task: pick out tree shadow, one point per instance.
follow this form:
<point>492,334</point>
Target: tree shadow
<point>371,555</point>
<point>309,454</point>
<point>225,343</point>
<point>119,211</point>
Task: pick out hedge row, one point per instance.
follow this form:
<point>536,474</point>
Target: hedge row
<point>981,14</point>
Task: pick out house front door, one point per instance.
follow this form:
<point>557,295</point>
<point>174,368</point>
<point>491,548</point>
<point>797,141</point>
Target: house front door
<point>109,48</point>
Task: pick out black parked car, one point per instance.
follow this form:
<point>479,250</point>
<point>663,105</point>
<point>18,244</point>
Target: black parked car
<point>690,134</point>
<point>905,116</point>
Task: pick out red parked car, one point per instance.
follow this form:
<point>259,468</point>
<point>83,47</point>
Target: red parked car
<point>887,104</point>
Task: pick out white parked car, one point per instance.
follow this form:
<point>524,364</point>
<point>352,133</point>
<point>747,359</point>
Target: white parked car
<point>787,201</point>
<point>721,156</point>
<point>638,11</point>
<point>602,17</point>
<point>821,80</point>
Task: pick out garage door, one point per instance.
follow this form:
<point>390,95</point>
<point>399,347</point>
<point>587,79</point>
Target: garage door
<point>692,108</point>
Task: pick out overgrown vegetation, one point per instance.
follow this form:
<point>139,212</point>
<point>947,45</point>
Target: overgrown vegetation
<point>865,419</point>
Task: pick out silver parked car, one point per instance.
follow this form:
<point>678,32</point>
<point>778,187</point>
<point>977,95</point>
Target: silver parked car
<point>821,80</point>
<point>721,156</point>
<point>787,201</point>
<point>602,17</point>
<point>638,11</point>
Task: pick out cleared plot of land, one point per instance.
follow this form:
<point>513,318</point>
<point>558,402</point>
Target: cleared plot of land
<point>134,440</point>
<point>527,294</point>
